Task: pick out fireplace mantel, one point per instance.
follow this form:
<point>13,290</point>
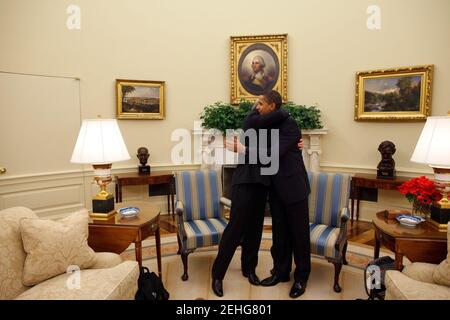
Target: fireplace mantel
<point>207,145</point>
<point>313,148</point>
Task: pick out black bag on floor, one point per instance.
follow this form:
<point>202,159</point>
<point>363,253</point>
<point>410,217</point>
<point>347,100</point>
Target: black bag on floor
<point>374,275</point>
<point>150,287</point>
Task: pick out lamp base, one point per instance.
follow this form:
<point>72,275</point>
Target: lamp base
<point>103,216</point>
<point>437,226</point>
<point>440,215</point>
<point>103,206</point>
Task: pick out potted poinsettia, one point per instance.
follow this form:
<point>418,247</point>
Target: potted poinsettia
<point>421,192</point>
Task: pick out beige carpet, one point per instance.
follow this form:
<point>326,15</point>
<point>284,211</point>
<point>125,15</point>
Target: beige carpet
<point>236,287</point>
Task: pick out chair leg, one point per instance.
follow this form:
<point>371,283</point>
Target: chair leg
<point>344,253</point>
<point>184,258</point>
<point>337,271</point>
<point>179,244</point>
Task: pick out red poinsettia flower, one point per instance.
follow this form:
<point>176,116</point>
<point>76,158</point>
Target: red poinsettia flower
<point>421,191</point>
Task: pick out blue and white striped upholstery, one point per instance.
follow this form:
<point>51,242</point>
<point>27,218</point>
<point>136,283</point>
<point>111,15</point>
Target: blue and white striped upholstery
<point>204,233</point>
<point>200,192</point>
<point>323,240</point>
<point>330,193</point>
<point>203,220</point>
<point>328,202</point>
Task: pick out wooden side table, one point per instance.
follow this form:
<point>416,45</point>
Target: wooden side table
<point>116,234</point>
<point>361,180</point>
<point>154,178</point>
<point>423,243</point>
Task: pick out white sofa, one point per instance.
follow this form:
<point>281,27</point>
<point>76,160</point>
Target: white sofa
<point>420,281</point>
<point>109,278</point>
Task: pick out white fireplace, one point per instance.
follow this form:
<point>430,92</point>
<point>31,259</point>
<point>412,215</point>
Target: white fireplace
<point>211,153</point>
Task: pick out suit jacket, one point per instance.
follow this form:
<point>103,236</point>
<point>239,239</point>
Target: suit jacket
<point>247,172</point>
<point>291,182</point>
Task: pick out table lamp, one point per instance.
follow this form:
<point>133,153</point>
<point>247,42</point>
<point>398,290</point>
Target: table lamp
<point>433,148</point>
<point>100,143</point>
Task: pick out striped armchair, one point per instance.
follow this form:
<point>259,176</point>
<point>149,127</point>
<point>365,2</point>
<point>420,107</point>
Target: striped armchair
<point>328,215</point>
<point>200,214</point>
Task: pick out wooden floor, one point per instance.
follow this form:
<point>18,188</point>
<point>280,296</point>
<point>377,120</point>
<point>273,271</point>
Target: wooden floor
<point>361,231</point>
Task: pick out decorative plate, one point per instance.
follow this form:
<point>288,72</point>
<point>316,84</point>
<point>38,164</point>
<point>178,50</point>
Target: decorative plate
<point>409,221</point>
<point>129,211</point>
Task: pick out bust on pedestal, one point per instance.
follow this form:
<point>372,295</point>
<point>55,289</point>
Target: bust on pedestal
<point>386,167</point>
<point>142,154</point>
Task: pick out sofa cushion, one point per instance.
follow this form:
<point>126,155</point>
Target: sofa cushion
<point>117,283</point>
<point>401,287</point>
<point>420,271</point>
<point>106,260</point>
<point>442,273</point>
<point>53,246</point>
<point>11,251</point>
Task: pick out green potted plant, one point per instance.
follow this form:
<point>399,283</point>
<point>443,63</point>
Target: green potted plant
<point>307,118</point>
<point>222,116</point>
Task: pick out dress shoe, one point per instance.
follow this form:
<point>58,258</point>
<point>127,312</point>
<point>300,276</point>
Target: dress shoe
<point>252,278</point>
<point>298,288</point>
<point>217,287</point>
<point>273,280</point>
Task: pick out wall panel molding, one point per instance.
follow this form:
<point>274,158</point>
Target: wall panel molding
<point>54,194</point>
<point>405,172</point>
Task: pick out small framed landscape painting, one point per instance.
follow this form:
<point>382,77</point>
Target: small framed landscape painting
<point>140,99</point>
<point>394,94</point>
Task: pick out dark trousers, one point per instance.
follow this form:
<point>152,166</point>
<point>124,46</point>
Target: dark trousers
<point>248,202</point>
<point>290,234</point>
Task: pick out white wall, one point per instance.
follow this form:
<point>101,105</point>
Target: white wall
<point>186,44</point>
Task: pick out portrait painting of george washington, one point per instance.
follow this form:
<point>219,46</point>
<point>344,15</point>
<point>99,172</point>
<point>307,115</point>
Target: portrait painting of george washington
<point>258,64</point>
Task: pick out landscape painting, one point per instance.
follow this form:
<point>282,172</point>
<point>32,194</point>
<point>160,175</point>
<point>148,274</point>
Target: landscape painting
<point>394,94</point>
<point>138,99</point>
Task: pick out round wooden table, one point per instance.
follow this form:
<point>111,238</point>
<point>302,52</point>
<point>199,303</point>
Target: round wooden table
<point>117,233</point>
<point>422,243</point>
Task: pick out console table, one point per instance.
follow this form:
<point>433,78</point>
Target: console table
<point>165,178</point>
<point>423,243</point>
<point>361,180</point>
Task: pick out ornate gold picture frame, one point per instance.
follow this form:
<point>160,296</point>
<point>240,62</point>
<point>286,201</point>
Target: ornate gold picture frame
<point>140,99</point>
<point>394,94</point>
<point>257,64</point>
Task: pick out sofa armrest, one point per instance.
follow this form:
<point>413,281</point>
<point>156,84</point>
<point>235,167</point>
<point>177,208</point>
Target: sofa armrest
<point>106,260</point>
<point>401,287</point>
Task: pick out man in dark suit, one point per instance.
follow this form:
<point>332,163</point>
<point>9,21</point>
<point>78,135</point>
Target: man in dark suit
<point>288,198</point>
<point>248,201</point>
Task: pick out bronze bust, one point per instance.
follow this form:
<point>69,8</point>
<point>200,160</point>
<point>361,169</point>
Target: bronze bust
<point>143,155</point>
<point>386,167</point>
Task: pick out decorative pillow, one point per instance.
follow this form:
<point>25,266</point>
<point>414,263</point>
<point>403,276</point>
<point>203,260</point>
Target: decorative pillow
<point>52,246</point>
<point>441,274</point>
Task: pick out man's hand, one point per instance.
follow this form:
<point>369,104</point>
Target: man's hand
<point>301,144</point>
<point>235,146</point>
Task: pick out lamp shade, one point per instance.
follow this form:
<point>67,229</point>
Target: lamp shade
<point>99,142</point>
<point>433,146</point>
